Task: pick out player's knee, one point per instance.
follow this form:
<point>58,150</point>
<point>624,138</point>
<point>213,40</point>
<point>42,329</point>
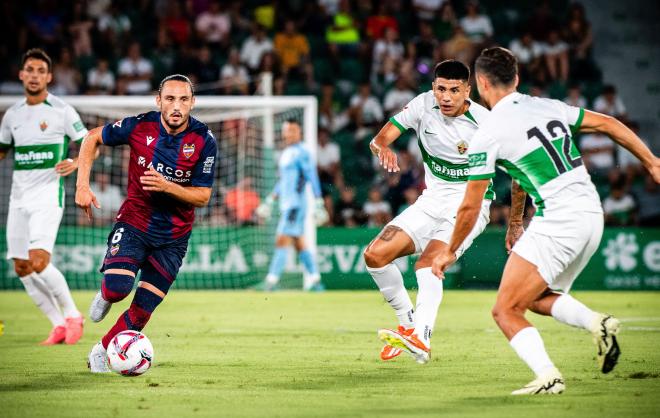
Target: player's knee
<point>116,286</point>
<point>22,268</point>
<point>423,262</point>
<point>374,258</point>
<point>39,264</point>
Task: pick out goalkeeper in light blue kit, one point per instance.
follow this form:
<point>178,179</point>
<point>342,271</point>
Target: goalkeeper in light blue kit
<point>296,168</point>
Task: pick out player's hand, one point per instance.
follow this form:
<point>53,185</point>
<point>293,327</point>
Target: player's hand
<point>386,157</point>
<point>654,169</point>
<point>153,181</point>
<point>320,213</point>
<point>513,233</point>
<point>265,209</point>
<point>66,167</point>
<point>85,198</point>
<point>441,263</point>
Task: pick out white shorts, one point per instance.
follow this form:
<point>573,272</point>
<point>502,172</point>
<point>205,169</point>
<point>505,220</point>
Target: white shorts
<point>31,229</point>
<point>562,256</point>
<point>423,227</point>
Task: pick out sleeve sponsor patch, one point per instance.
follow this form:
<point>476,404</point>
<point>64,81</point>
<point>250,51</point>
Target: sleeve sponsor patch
<point>477,160</point>
<point>78,126</point>
<point>208,165</point>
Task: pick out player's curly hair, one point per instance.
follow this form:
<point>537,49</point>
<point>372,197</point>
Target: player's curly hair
<point>176,77</point>
<point>498,64</point>
<point>452,70</point>
<point>37,54</point>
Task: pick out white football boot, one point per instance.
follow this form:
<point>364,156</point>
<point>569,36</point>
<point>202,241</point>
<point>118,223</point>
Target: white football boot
<point>604,330</point>
<point>97,361</point>
<point>99,308</point>
<point>549,383</point>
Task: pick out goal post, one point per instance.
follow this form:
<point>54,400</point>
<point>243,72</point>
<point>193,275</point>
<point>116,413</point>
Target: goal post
<point>230,247</point>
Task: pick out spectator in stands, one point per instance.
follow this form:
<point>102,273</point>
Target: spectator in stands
<point>575,97</point>
<point>530,56</point>
<point>577,33</point>
<point>328,161</point>
<point>619,207</point>
<point>387,48</point>
<point>598,154</point>
<point>240,24</point>
<point>343,34</point>
<point>66,77</point>
<point>378,211</point>
<point>80,29</point>
<point>44,25</point>
<point>397,97</point>
<point>292,49</point>
<point>629,165</point>
<point>477,26</point>
<point>115,28</point>
<point>234,75</point>
<point>135,72</point>
<point>424,47</point>
<point>542,21</point>
<point>459,46</point>
<point>381,21</point>
<point>427,9</point>
<point>610,103</point>
<point>214,26</point>
<point>365,111</point>
<point>100,80</point>
<point>270,65</point>
<point>163,56</point>
<point>206,71</point>
<point>410,195</point>
<point>254,47</point>
<point>241,202</point>
<point>556,57</point>
<point>347,212</point>
<point>331,117</point>
<point>648,198</point>
<point>177,24</point>
<point>444,26</point>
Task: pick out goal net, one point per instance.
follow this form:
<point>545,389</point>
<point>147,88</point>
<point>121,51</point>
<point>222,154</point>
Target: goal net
<point>230,247</point>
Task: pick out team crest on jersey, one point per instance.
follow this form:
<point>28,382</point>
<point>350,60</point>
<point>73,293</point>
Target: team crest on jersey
<point>114,249</point>
<point>188,150</point>
<point>462,147</point>
<point>43,125</point>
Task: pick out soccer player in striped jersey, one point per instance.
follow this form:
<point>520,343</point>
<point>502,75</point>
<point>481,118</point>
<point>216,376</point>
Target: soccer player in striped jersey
<point>532,140</point>
<point>296,169</point>
<point>39,129</point>
<point>170,173</point>
<point>445,121</point>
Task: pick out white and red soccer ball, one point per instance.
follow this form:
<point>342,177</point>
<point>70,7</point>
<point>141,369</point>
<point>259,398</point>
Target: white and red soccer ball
<point>130,353</point>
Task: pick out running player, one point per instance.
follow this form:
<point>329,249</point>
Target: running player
<point>531,138</point>
<point>39,129</point>
<point>170,174</point>
<point>445,119</point>
<point>296,168</point>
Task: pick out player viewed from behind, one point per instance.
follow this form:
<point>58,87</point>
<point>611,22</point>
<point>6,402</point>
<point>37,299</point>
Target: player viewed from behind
<point>170,174</point>
<point>39,129</point>
<point>531,139</point>
<point>296,168</point>
<point>445,120</point>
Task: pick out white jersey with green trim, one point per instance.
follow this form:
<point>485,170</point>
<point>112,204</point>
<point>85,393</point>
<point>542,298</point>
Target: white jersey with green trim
<point>443,141</point>
<point>532,140</point>
<point>40,136</point>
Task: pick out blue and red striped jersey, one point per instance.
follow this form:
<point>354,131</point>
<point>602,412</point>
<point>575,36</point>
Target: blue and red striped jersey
<point>187,158</point>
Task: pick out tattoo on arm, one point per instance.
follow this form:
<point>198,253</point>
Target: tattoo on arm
<point>389,232</point>
<point>518,197</point>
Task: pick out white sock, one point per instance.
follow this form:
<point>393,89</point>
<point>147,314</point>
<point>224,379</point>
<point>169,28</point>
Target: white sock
<point>55,281</point>
<point>42,297</point>
<point>310,280</point>
<point>570,311</point>
<point>272,279</point>
<point>530,348</point>
<point>390,282</point>
<point>429,297</point>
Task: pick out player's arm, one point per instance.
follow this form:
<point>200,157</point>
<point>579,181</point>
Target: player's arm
<point>380,146</point>
<point>621,134</point>
<point>309,171</point>
<point>5,137</point>
<point>515,228</point>
<point>89,149</point>
<point>153,181</point>
<point>466,218</point>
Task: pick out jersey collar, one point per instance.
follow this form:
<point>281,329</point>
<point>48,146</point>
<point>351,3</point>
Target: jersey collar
<point>506,100</point>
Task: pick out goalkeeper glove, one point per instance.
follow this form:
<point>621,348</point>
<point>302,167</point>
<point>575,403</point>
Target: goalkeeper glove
<point>265,210</point>
<point>320,214</point>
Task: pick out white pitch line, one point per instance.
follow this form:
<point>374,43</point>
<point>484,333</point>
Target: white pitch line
<point>652,329</point>
<point>641,319</point>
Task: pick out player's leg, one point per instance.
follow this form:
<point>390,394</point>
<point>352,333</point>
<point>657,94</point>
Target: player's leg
<point>43,226</point>
<point>287,227</point>
<point>522,285</point>
<point>311,281</point>
<point>17,249</point>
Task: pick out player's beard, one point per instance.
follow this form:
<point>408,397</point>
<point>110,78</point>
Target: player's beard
<point>176,126</point>
<point>34,92</point>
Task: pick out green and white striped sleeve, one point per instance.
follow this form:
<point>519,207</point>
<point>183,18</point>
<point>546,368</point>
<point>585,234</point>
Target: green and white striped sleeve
<point>409,116</point>
<point>5,132</point>
<point>482,157</point>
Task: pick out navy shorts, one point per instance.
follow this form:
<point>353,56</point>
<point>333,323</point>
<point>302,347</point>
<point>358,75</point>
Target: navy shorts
<point>158,260</point>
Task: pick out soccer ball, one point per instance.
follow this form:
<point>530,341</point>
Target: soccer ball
<point>130,353</point>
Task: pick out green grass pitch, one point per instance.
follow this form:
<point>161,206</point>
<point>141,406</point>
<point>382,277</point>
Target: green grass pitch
<point>289,354</point>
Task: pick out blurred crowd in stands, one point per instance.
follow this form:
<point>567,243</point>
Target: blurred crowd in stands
<point>364,60</point>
